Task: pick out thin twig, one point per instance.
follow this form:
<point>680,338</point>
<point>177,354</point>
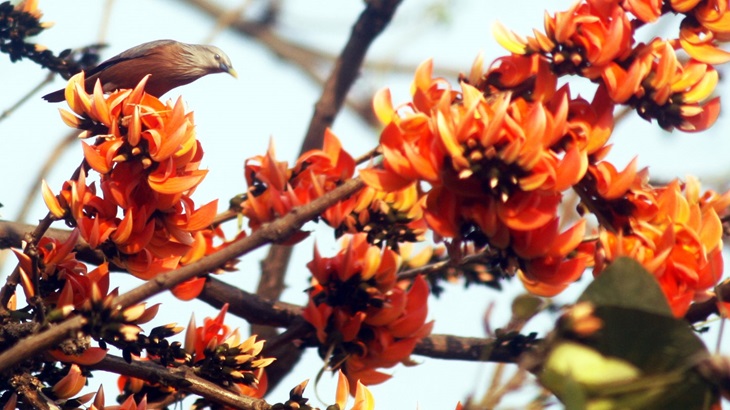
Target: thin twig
<point>370,24</point>
<point>104,25</point>
<point>436,267</point>
<point>369,155</point>
<point>53,158</point>
<point>700,311</point>
<point>224,20</point>
<point>225,216</point>
<point>5,114</point>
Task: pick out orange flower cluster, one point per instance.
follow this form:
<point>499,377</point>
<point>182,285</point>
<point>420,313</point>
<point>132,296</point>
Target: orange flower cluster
<point>214,351</point>
<point>148,159</point>
<point>214,346</point>
<point>274,188</point>
<point>595,39</point>
<point>365,319</point>
<point>496,166</point>
<point>67,287</point>
<point>676,234</point>
<point>388,218</point>
<point>64,280</point>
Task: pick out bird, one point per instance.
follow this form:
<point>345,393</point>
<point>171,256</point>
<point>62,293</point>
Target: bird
<point>170,63</point>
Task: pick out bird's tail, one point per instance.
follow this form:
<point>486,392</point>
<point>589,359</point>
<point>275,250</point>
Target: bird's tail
<point>56,96</point>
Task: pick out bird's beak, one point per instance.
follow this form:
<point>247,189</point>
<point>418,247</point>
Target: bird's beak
<point>229,70</point>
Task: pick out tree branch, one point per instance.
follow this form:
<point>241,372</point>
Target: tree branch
<point>370,24</point>
<point>255,309</point>
<point>31,237</point>
<point>181,378</point>
<point>251,307</point>
<point>33,345</point>
<point>274,231</point>
<point>271,232</point>
<point>451,347</point>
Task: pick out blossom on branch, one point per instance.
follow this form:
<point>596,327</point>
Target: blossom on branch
<point>62,276</point>
<point>497,167</point>
<point>676,235</point>
<point>595,39</point>
<point>218,354</point>
<point>365,319</point>
<point>274,188</point>
<point>147,158</point>
<point>388,218</point>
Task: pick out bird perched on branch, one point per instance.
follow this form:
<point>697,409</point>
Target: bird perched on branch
<point>170,63</point>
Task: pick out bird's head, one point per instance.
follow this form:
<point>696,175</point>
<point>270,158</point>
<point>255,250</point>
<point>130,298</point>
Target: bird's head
<point>211,59</point>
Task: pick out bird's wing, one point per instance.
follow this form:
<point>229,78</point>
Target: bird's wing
<point>131,54</point>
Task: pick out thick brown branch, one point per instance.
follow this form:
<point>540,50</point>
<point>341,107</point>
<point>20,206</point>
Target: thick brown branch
<point>181,378</point>
<point>30,388</point>
<point>369,25</point>
<point>468,348</point>
<point>33,345</point>
<point>251,307</point>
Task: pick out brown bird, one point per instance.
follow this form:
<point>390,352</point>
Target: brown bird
<point>170,63</point>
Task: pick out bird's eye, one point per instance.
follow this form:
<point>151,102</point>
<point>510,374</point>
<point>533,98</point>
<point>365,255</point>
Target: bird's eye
<point>217,56</point>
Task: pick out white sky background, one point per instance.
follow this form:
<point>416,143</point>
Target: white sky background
<point>272,99</point>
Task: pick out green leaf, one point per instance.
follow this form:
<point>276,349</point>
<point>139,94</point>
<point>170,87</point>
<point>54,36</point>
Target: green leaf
<point>625,283</point>
<point>654,343</point>
<point>589,367</point>
<point>647,355</point>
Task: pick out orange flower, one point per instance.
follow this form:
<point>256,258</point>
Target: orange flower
<point>148,159</point>
<point>214,345</point>
<point>581,39</point>
<point>706,26</point>
<point>595,39</point>
<point>387,217</point>
<point>679,241</point>
<point>71,384</point>
<point>274,189</point>
<point>64,280</point>
<point>31,7</point>
<point>363,398</point>
<point>500,162</point>
<point>363,319</point>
